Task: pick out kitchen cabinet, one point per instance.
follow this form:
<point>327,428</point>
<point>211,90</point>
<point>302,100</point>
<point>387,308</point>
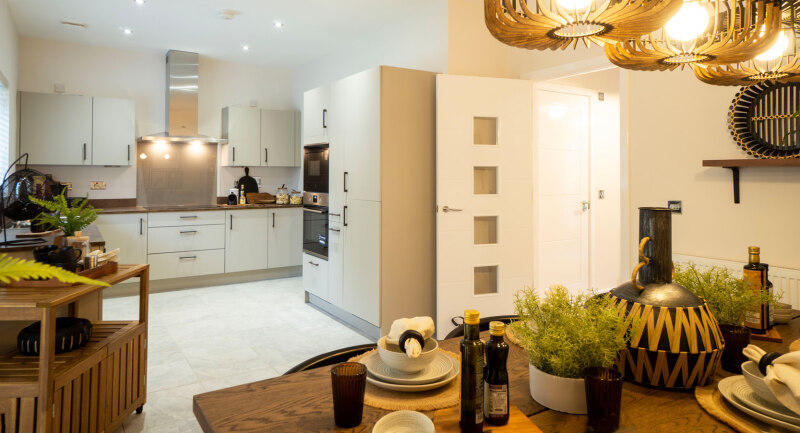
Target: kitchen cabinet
<point>175,239</point>
<point>361,282</point>
<point>315,115</point>
<point>189,218</point>
<point>335,260</point>
<point>128,232</point>
<point>186,244</point>
<point>241,126</point>
<point>246,239</point>
<point>284,238</point>
<point>113,131</point>
<point>56,129</point>
<point>186,264</point>
<point>279,139</point>
<point>315,276</point>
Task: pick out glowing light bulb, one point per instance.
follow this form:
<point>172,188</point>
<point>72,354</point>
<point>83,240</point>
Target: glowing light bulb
<point>574,4</point>
<point>142,155</point>
<point>776,50</point>
<point>688,23</point>
<point>557,112</point>
<point>166,156</point>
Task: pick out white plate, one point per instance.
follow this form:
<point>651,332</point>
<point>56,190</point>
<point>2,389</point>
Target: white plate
<point>746,395</point>
<point>726,389</point>
<point>437,370</point>
<point>404,421</point>
<point>418,388</point>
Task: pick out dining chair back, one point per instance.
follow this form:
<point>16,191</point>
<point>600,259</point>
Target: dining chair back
<point>484,324</point>
<point>331,358</point>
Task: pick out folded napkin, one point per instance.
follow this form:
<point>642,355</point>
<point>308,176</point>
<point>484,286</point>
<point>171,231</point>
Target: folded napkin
<point>783,379</point>
<point>424,325</point>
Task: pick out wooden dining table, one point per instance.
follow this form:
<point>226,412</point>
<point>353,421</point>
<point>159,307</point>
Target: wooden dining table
<point>302,402</point>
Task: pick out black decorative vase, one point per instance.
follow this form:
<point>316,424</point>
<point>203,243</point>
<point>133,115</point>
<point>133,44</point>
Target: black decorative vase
<point>736,339</point>
<point>679,343</point>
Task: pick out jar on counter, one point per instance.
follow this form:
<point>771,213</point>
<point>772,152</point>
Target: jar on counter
<point>296,198</point>
<point>282,197</point>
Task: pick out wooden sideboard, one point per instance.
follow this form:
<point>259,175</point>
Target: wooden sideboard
<point>91,389</point>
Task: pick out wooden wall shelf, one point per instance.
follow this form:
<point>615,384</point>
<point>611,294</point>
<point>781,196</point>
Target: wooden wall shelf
<point>735,164</point>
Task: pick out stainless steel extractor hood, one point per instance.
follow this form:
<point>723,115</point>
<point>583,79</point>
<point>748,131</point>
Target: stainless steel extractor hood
<point>183,74</point>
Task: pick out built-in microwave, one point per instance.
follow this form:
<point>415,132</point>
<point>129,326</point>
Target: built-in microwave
<point>315,168</point>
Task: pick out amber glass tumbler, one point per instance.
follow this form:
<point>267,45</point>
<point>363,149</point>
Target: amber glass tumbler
<point>603,398</point>
<point>348,380</point>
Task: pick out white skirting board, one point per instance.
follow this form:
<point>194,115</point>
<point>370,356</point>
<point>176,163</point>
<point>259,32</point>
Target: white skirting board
<point>785,281</point>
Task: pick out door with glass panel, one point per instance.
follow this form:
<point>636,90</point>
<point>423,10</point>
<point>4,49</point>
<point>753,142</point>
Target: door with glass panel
<point>484,195</point>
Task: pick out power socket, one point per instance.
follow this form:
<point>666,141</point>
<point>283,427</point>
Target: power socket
<point>97,184</point>
<point>69,185</point>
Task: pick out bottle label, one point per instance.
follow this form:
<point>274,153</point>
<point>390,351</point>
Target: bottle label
<point>479,397</point>
<point>496,399</point>
<point>755,318</point>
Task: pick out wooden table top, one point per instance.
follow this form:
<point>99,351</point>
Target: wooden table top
<point>33,297</point>
<point>95,239</point>
<point>302,402</point>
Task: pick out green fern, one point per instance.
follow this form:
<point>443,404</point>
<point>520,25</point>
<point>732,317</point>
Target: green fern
<point>75,218</point>
<point>14,269</point>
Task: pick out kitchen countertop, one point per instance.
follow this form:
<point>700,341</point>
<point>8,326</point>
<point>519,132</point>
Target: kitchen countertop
<point>141,209</point>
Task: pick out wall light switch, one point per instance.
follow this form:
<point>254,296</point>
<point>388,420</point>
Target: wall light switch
<point>58,88</point>
<point>97,184</point>
<point>675,205</point>
<point>68,184</point>
<point>601,194</point>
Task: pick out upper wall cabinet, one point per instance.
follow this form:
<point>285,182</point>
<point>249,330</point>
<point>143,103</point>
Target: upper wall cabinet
<point>266,138</point>
<point>56,129</point>
<point>76,130</point>
<point>315,115</point>
<point>113,131</point>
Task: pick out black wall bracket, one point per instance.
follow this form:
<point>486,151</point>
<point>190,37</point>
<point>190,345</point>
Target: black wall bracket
<point>735,171</point>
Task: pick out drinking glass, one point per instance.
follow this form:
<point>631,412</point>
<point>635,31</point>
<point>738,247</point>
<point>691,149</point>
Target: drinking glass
<point>603,398</point>
<point>348,380</point>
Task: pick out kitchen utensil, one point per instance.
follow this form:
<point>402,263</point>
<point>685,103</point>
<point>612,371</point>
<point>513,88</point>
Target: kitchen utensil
<point>437,370</point>
<point>40,254</point>
<point>755,379</point>
<point>419,388</point>
<point>398,360</point>
<point>348,381</point>
<point>404,421</point>
<point>250,184</point>
<point>747,396</point>
<point>725,387</point>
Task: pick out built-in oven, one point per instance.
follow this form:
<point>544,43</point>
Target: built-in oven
<point>315,168</point>
<point>315,224</point>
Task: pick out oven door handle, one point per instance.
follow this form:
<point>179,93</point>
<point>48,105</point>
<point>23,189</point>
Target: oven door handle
<point>305,209</point>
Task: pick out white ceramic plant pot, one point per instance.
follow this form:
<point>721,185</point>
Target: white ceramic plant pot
<point>558,393</point>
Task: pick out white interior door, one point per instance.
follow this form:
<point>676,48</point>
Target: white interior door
<point>484,224</point>
<point>562,190</point>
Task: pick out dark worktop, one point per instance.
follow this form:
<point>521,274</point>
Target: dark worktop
<point>95,239</point>
<point>141,209</point>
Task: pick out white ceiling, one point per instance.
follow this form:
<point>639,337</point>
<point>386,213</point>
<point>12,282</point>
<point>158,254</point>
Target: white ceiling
<point>312,28</point>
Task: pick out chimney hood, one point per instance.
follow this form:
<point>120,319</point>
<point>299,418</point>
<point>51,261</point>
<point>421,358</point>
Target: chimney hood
<point>183,74</point>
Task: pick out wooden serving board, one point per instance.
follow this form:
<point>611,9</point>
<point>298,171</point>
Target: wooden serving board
<point>771,335</point>
<point>446,421</point>
<point>94,273</point>
<point>38,235</point>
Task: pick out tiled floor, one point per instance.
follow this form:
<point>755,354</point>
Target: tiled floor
<point>205,339</point>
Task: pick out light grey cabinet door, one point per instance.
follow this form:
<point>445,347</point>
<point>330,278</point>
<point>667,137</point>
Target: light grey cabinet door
<point>128,232</point>
<point>285,237</point>
<point>56,129</point>
<point>278,140</point>
<point>361,284</point>
<point>246,240</point>
<point>241,126</point>
<point>315,115</point>
<point>113,131</point>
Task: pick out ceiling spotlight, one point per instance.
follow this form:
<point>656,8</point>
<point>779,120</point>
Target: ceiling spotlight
<point>142,155</point>
<point>127,31</point>
<point>166,156</point>
<point>139,2</point>
<point>278,24</point>
<point>245,47</point>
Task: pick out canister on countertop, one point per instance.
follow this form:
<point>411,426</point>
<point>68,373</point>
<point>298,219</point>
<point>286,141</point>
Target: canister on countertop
<point>282,197</point>
<point>296,198</point>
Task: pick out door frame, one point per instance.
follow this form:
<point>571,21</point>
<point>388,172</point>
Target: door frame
<point>597,64</point>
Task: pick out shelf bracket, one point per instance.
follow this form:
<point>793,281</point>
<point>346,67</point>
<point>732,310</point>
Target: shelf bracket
<point>735,171</point>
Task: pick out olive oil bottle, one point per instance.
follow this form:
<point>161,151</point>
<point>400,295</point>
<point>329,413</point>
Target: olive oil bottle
<point>471,374</point>
<point>755,276</point>
<point>495,402</point>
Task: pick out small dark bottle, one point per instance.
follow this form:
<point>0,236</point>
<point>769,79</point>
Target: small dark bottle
<point>495,400</point>
<point>471,374</point>
<point>755,275</point>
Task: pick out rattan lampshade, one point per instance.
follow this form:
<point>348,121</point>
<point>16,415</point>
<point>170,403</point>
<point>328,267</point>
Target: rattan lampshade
<point>557,24</point>
<point>736,31</point>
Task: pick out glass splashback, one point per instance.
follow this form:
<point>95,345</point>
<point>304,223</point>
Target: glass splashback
<point>176,174</point>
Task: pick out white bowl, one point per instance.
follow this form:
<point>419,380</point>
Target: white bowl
<point>755,380</point>
<point>395,358</point>
<point>404,421</point>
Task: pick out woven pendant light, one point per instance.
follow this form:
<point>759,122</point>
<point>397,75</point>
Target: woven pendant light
<point>781,62</point>
<point>557,24</point>
<point>734,31</point>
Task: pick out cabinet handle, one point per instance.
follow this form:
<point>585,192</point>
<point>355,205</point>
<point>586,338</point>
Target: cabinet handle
<point>189,232</point>
<point>312,263</point>
<point>335,214</point>
<point>273,219</point>
<point>345,181</point>
<point>84,151</point>
<point>266,154</point>
<point>234,154</point>
<point>231,222</point>
<point>324,117</point>
<point>141,226</point>
<point>188,258</point>
<point>189,217</point>
<point>344,211</point>
<point>129,153</point>
<point>334,230</point>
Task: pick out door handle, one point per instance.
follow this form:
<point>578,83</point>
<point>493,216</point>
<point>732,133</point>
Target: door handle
<point>231,222</point>
<point>312,263</point>
<point>335,214</point>
<point>84,151</point>
<point>129,153</point>
<point>313,210</point>
<point>586,205</point>
<point>334,230</point>
<point>234,154</point>
<point>345,181</point>
<point>450,209</point>
<point>266,154</point>
<point>188,217</point>
<point>188,258</point>
<point>189,232</point>
<point>344,219</point>
<point>324,117</point>
<point>273,219</point>
<point>141,226</point>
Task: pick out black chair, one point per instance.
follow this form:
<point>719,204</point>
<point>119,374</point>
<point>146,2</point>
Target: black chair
<point>484,324</point>
<point>331,358</point>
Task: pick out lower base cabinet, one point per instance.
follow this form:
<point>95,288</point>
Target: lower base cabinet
<point>315,276</point>
<point>186,264</point>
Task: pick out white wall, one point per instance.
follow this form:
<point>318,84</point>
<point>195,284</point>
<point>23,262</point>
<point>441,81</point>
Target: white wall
<point>140,75</point>
<point>9,69</point>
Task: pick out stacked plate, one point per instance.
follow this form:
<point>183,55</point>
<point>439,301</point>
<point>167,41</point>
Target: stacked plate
<point>783,313</point>
<point>441,371</point>
<point>738,393</point>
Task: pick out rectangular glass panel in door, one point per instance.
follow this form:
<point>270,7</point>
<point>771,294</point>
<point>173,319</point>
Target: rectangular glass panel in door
<point>481,263</point>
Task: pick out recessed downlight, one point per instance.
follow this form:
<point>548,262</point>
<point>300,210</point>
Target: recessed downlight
<point>139,2</point>
<point>277,24</point>
<point>127,31</point>
<point>245,47</point>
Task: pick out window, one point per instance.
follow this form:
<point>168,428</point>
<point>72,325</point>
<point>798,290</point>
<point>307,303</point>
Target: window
<point>5,127</point>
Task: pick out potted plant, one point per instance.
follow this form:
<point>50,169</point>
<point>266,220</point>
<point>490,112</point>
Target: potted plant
<point>564,335</point>
<point>60,215</point>
<point>729,299</point>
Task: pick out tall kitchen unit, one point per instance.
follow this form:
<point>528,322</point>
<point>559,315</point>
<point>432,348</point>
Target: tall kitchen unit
<point>381,241</point>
